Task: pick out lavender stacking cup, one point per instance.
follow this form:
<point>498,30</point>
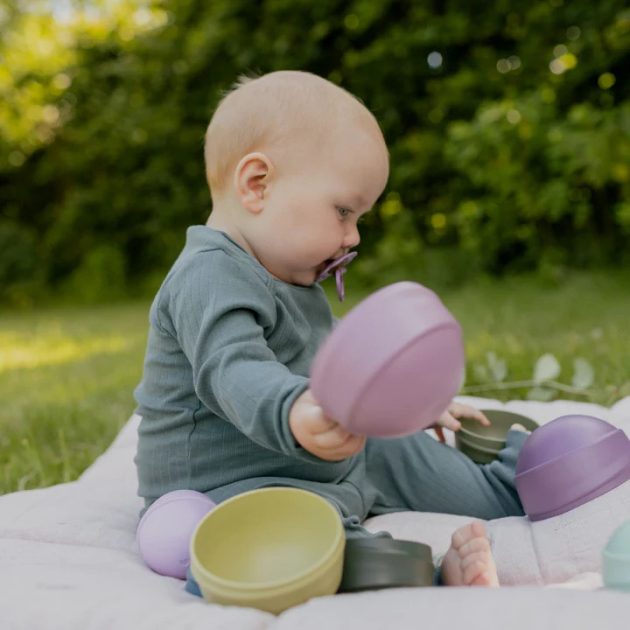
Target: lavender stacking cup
<point>164,532</point>
<point>392,364</point>
<point>569,461</point>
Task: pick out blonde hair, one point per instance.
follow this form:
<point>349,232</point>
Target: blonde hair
<point>277,108</point>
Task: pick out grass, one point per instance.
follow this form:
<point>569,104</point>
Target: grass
<point>67,374</point>
<point>66,383</point>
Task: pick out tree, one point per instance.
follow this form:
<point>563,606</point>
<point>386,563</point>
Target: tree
<point>508,127</point>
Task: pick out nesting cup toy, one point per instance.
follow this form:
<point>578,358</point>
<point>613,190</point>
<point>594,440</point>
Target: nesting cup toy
<point>164,531</point>
<point>616,559</point>
<point>270,549</point>
<point>569,461</point>
<point>483,444</point>
<point>392,364</point>
<point>376,563</point>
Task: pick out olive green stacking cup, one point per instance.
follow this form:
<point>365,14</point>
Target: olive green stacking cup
<point>270,549</point>
<point>482,444</point>
<point>377,563</point>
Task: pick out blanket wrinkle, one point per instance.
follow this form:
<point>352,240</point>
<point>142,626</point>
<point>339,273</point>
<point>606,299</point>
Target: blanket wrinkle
<point>68,560</point>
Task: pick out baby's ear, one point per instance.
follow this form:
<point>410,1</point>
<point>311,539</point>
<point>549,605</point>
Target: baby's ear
<point>251,180</point>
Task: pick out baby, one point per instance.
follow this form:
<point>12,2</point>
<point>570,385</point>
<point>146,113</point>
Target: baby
<point>293,162</point>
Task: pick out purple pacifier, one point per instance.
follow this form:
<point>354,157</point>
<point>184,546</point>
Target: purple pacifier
<point>338,265</point>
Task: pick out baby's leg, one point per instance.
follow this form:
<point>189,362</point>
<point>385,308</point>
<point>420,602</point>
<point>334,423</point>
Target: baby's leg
<point>421,474</point>
<point>558,548</point>
<point>469,561</point>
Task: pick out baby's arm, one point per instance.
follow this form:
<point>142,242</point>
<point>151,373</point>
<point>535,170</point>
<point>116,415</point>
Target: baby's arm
<point>220,312</point>
<point>319,434</point>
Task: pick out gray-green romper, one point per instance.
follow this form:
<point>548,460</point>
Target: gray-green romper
<point>229,350</point>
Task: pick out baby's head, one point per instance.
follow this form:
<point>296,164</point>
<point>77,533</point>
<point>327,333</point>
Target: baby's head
<point>292,162</point>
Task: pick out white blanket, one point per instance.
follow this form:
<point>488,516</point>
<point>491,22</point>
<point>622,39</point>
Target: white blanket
<point>68,560</point>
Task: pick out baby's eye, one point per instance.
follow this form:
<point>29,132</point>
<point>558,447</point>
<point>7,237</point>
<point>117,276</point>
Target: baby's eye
<point>343,212</point>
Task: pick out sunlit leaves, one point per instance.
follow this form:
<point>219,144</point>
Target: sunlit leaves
<point>38,57</point>
<point>497,163</point>
<point>547,368</point>
<point>544,384</point>
<point>583,374</point>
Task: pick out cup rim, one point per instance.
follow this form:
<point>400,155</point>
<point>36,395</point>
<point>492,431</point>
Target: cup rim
<point>539,509</point>
<point>553,460</point>
<point>328,557</point>
<point>624,557</point>
<point>486,450</point>
<point>203,499</point>
<point>410,548</point>
<point>519,418</point>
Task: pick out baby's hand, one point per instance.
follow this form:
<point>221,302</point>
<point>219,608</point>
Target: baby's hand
<point>449,418</point>
<point>320,435</point>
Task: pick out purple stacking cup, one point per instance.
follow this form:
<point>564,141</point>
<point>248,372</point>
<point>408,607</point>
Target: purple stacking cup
<point>393,363</point>
<point>568,462</point>
<point>164,532</point>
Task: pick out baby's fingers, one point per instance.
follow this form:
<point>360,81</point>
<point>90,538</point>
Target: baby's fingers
<point>333,437</point>
<point>316,421</point>
<point>448,421</point>
<point>338,443</point>
<point>479,416</point>
<point>458,410</point>
<point>349,449</point>
<point>350,446</point>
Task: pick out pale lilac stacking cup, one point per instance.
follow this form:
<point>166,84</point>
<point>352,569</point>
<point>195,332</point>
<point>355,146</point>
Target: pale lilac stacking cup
<point>164,532</point>
<point>392,364</point>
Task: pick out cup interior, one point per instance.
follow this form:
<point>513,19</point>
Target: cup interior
<point>494,435</point>
<point>267,537</point>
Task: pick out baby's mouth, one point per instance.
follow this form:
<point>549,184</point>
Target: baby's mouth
<point>320,268</point>
<point>338,267</point>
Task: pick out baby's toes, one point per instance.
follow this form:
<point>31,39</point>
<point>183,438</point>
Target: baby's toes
<point>475,566</point>
<point>473,546</point>
<point>485,578</point>
<point>465,534</point>
<point>478,530</point>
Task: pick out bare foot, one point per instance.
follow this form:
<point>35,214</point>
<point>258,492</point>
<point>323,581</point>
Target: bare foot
<point>469,561</point>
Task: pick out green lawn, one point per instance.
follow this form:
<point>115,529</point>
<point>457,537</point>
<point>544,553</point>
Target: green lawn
<point>66,382</point>
<point>67,374</point>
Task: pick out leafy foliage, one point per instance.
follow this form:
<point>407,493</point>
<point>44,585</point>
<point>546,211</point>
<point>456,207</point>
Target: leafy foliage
<point>542,385</point>
<point>508,126</point>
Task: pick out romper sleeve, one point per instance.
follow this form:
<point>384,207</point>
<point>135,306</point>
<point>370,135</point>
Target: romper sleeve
<point>220,313</point>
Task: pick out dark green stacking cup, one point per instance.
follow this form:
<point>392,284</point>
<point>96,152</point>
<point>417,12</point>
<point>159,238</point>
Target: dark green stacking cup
<point>482,444</point>
<point>378,563</point>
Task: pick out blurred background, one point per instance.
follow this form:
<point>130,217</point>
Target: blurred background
<point>509,132</point>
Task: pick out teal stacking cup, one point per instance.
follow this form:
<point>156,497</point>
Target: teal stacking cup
<point>616,559</point>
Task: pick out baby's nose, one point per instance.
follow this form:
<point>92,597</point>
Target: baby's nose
<point>352,237</point>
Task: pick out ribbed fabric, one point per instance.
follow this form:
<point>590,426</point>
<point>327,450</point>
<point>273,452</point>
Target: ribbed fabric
<point>229,350</point>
